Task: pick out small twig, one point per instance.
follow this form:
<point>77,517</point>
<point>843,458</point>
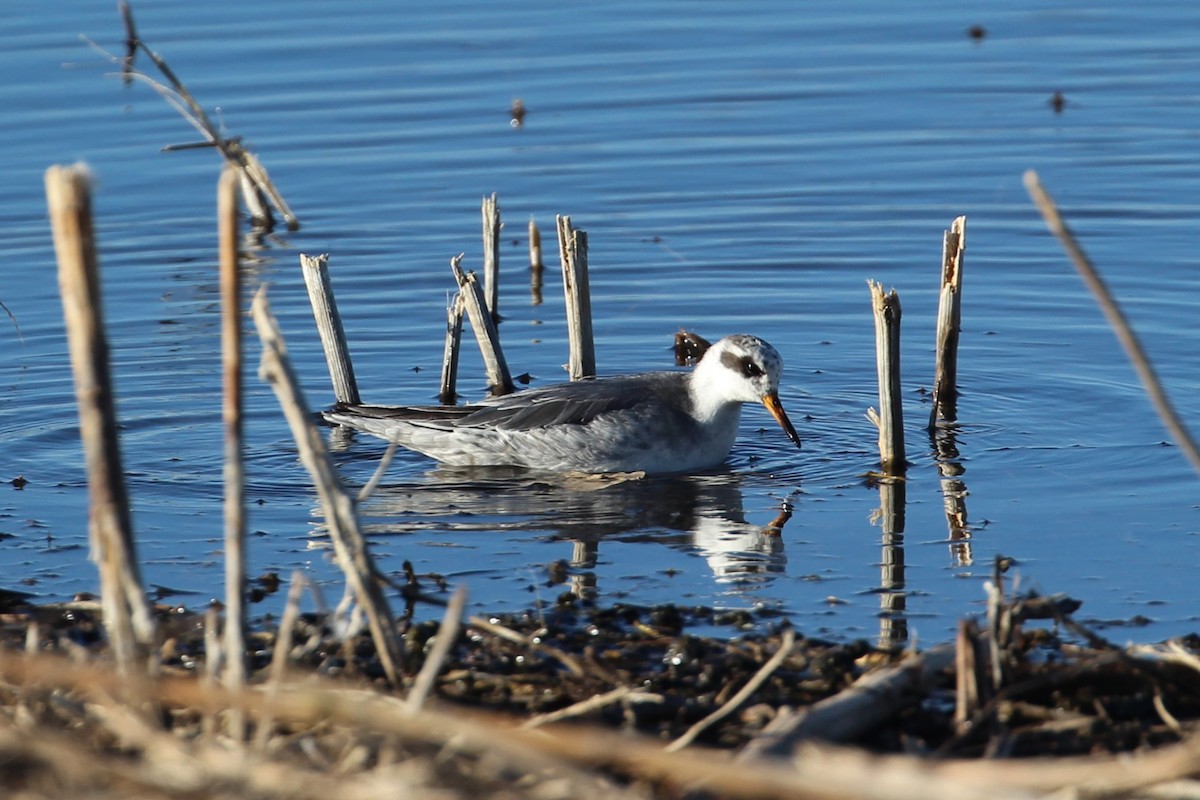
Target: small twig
<point>785,649</point>
<point>279,656</point>
<point>1116,319</point>
<point>446,636</point>
<point>569,661</point>
<point>624,694</point>
<point>1166,716</point>
<point>384,462</point>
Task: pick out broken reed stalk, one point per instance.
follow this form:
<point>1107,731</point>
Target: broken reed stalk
<point>536,268</point>
<point>949,325</point>
<point>186,104</point>
<point>329,326</point>
<point>491,256</point>
<point>572,251</point>
<point>448,394</point>
<point>500,382</point>
<point>127,617</point>
<point>890,418</point>
<point>231,416</point>
<point>1116,319</point>
<point>340,516</point>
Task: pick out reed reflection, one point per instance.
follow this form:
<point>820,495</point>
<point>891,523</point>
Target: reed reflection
<point>893,599</point>
<point>954,493</point>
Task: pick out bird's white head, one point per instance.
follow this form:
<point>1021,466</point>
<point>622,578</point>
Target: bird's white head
<point>742,369</point>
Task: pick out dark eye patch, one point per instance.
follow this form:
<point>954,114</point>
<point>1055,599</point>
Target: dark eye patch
<point>750,369</point>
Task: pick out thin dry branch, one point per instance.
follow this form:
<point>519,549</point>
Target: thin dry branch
<point>1116,319</point>
<point>178,96</point>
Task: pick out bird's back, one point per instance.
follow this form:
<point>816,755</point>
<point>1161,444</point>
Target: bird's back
<point>623,423</point>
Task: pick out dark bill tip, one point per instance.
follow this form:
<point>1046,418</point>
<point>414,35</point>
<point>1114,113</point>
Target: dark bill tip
<point>771,401</point>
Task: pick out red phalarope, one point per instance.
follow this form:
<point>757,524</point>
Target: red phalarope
<point>655,422</point>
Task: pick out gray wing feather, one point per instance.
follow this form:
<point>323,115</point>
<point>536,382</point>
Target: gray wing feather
<point>576,403</point>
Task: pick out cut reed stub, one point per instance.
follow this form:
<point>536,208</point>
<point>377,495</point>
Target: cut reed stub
<point>572,251</point>
<point>536,268</point>
<point>490,212</point>
<point>329,326</point>
<point>890,417</point>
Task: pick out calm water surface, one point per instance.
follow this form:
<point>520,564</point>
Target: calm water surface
<point>737,168</point>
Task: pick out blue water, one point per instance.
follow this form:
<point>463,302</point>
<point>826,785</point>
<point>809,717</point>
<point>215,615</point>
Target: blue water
<point>737,168</point>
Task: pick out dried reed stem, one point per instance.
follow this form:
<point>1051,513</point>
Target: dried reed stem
<point>349,544</point>
<point>500,382</point>
<point>127,615</point>
<point>231,414</point>
<point>490,212</point>
<point>329,326</point>
<point>1116,319</point>
<point>572,252</point>
<point>949,325</point>
<point>890,418</point>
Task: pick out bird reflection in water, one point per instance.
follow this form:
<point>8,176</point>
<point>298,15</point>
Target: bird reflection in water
<point>698,513</point>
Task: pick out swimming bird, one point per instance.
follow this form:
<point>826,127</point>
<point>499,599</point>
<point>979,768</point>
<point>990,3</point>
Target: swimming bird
<point>656,422</point>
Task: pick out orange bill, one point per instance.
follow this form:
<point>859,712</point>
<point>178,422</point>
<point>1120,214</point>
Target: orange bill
<point>771,401</point>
